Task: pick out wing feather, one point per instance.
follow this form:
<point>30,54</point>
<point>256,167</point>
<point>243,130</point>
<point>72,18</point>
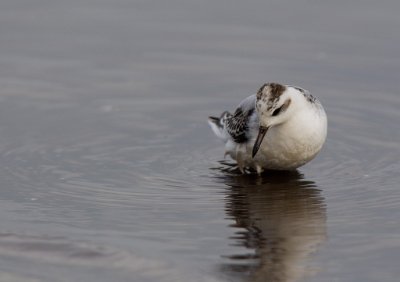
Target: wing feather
<point>237,125</point>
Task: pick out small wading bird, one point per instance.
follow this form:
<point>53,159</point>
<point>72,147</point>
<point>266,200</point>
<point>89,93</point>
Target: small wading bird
<point>282,127</point>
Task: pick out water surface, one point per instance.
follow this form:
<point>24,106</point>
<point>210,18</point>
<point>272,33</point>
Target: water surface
<point>109,171</point>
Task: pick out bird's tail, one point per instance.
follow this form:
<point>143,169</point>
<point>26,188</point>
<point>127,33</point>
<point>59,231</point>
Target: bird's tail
<point>218,125</point>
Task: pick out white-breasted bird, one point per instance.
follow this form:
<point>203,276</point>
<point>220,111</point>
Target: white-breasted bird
<point>282,127</point>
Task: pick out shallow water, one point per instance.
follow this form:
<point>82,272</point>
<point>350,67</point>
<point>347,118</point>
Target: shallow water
<point>109,171</point>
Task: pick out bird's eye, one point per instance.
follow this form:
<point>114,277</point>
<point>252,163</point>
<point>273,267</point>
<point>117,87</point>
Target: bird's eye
<point>277,111</point>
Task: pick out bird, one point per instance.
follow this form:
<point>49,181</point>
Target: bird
<point>282,127</point>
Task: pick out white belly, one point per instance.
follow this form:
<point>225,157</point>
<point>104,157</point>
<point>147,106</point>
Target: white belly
<point>287,146</point>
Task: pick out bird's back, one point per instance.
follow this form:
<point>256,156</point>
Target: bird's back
<point>235,127</point>
<point>236,130</point>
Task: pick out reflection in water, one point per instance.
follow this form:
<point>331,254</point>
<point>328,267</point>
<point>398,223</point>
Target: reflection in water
<point>282,217</point>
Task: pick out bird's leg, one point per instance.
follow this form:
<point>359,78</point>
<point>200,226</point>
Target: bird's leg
<point>239,159</point>
<point>259,169</point>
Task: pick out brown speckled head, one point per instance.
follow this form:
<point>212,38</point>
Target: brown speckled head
<point>269,93</point>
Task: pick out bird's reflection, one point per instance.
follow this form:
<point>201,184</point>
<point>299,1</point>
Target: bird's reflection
<point>279,222</point>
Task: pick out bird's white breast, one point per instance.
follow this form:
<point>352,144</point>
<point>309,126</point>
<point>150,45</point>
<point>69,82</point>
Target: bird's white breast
<point>286,146</point>
<point>294,143</point>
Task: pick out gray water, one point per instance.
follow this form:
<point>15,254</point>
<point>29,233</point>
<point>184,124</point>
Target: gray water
<point>109,172</point>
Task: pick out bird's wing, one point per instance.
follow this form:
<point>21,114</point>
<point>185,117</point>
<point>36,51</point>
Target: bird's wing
<point>237,125</point>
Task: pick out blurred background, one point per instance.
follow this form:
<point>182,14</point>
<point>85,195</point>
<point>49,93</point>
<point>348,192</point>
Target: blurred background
<point>109,172</point>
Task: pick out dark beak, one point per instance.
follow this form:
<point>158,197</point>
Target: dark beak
<point>261,133</point>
